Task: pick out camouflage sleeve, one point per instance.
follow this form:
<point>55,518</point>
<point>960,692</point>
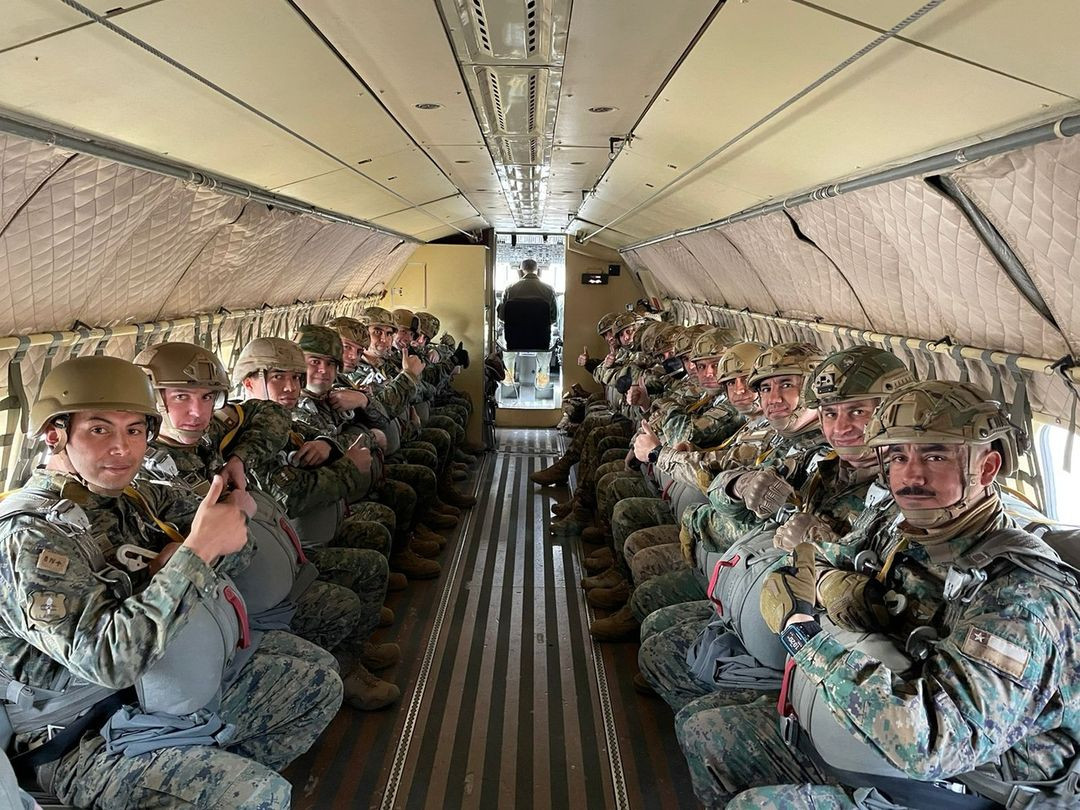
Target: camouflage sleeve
<point>261,436</point>
<point>592,364</point>
<point>300,489</point>
<point>692,467</point>
<point>721,499</point>
<point>993,681</point>
<point>714,426</point>
<point>396,394</point>
<point>54,601</point>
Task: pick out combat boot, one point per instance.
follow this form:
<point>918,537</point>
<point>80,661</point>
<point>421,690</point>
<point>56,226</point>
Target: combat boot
<point>599,560</point>
<point>456,498</point>
<point>473,448</point>
<point>368,692</point>
<point>642,686</point>
<point>573,523</point>
<point>422,532</point>
<point>619,626</point>
<point>396,581</point>
<point>386,616</point>
<point>425,548</point>
<point>595,536</point>
<point>563,508</point>
<point>437,520</point>
<point>379,656</point>
<point>557,474</point>
<point>609,598</point>
<point>607,579</point>
<point>457,474</point>
<point>409,563</point>
<point>444,508</point>
<point>463,457</point>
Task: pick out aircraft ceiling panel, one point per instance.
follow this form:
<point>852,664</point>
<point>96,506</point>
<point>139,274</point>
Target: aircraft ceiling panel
<point>346,192</point>
<point>999,35</point>
<point>616,56</point>
<point>83,79</point>
<point>408,173</point>
<point>415,221</point>
<point>25,20</point>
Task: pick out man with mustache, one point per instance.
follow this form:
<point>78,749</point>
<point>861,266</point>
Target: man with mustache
<point>948,659</point>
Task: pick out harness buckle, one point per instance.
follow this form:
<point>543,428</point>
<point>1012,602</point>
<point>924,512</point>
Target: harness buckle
<point>963,585</point>
<point>1021,796</point>
<point>51,731</point>
<point>789,730</point>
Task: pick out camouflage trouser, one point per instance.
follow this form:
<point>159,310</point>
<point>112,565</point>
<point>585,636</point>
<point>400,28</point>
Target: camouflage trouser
<point>441,441</point>
<point>660,620</point>
<point>619,432</point>
<point>363,513</point>
<point>662,659</point>
<point>401,498</point>
<point>730,748</point>
<point>326,614</point>
<point>614,482</point>
<point>452,410</point>
<point>636,512</point>
<point>659,557</point>
<point>363,571</point>
<point>280,702</point>
<point>593,420</point>
<point>810,797</point>
<point>424,484</point>
<point>614,454</point>
<point>448,425</point>
<point>666,589</point>
<point>416,452</point>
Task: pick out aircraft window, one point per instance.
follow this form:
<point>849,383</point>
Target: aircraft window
<point>1061,484</point>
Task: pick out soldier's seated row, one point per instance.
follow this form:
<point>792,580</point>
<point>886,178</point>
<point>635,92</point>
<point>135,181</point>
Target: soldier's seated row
<point>181,565</point>
<point>916,597</point>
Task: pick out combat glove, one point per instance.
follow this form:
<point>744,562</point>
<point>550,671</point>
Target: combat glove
<point>791,589</point>
<point>763,491</point>
<point>854,601</point>
<point>802,527</point>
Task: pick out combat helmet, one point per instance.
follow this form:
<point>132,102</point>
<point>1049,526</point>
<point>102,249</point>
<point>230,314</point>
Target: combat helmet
<point>320,340</point>
<point>427,325</point>
<point>738,361</point>
<point>784,358</point>
<point>862,372</point>
<point>654,338</point>
<point>350,329</point>
<point>404,319</point>
<point>376,316</point>
<point>95,383</point>
<point>683,343</point>
<point>606,322</point>
<point>623,321</point>
<point>268,354</point>
<point>944,412</point>
<point>183,365</point>
<point>712,343</point>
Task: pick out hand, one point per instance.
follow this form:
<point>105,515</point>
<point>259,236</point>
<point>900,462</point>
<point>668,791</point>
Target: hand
<point>763,492</point>
<point>686,544</point>
<point>645,442</point>
<point>242,499</point>
<point>854,601</point>
<point>432,356</point>
<point>630,457</point>
<point>379,438</point>
<point>609,360</point>
<point>360,455</point>
<point>682,447</point>
<point>583,358</point>
<point>344,399</point>
<point>414,417</point>
<point>791,590</point>
<point>802,527</point>
<point>412,364</point>
<point>312,454</point>
<point>219,526</point>
<point>234,473</point>
<point>638,394</point>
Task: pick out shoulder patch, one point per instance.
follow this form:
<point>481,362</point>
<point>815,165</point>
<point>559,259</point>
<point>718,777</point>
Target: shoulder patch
<point>1000,653</point>
<point>53,562</point>
<point>47,607</point>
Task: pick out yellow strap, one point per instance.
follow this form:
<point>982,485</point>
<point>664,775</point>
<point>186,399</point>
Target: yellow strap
<point>296,438</point>
<point>227,440</point>
<point>140,501</point>
<point>884,572</point>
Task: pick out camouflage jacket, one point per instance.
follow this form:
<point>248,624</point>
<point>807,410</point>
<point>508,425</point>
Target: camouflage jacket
<point>392,394</point>
<point>707,422</point>
<point>57,614</point>
<point>699,467</point>
<point>999,683</point>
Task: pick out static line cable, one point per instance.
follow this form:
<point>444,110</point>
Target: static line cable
<point>146,46</point>
<point>855,57</point>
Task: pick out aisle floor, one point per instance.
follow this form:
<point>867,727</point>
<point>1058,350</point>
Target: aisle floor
<point>506,701</point>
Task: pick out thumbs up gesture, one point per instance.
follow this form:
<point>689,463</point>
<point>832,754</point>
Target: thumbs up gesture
<point>645,442</point>
<point>583,358</point>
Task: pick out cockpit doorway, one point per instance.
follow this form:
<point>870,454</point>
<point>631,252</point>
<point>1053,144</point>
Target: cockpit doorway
<point>531,353</point>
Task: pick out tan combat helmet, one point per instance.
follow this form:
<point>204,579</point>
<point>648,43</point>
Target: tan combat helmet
<point>95,383</point>
<point>350,329</point>
<point>849,375</point>
<point>944,412</point>
<point>183,365</point>
<point>405,319</point>
<point>376,316</point>
<point>605,323</point>
<point>268,354</point>
<point>320,340</point>
<point>712,343</point>
<point>784,358</point>
<point>738,361</point>
<point>428,325</point>
<point>624,321</point>
<point>654,338</point>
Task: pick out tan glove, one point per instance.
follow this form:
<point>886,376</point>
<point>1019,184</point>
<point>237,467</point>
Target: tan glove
<point>763,491</point>
<point>791,589</point>
<point>686,543</point>
<point>802,527</point>
<point>854,601</point>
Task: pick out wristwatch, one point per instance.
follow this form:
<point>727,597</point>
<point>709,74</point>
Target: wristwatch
<point>654,454</point>
<point>796,635</point>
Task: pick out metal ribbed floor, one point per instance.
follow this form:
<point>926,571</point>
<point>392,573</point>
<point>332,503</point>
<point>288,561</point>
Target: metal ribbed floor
<point>505,703</point>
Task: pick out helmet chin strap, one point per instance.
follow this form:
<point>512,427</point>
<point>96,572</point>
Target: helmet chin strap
<point>946,519</point>
<point>797,420</point>
<point>65,461</point>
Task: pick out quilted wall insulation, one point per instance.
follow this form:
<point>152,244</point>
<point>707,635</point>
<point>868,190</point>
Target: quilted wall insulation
<point>86,239</point>
<point>902,258</point>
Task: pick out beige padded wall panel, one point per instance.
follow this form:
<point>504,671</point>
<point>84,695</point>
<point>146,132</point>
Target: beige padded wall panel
<point>321,260</point>
<point>737,280</point>
<point>24,166</point>
<point>658,260</point>
<point>803,281</point>
<point>686,264</point>
<point>1033,198</point>
<point>380,260</point>
<point>977,300</point>
<point>892,293</point>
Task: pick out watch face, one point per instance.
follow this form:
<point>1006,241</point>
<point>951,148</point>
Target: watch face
<point>794,639</point>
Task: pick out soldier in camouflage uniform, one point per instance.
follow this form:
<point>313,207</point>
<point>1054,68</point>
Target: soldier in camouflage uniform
<point>954,650</point>
<point>743,496</point>
<point>70,609</point>
<point>341,412</point>
<point>844,390</point>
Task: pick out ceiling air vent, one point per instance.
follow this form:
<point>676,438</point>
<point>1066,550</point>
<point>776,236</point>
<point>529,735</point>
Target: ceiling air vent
<point>483,39</point>
<point>531,32</point>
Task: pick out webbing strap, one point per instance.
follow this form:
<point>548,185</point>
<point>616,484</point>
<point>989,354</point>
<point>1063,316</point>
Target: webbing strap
<point>15,402</point>
<point>140,500</point>
<point>103,341</point>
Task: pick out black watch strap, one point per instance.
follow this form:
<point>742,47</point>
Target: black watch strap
<point>795,636</point>
<point>654,454</point>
